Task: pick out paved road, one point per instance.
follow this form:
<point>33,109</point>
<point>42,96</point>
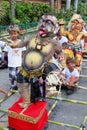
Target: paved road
<point>69,113</point>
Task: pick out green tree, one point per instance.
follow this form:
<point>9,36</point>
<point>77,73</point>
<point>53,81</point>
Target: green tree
<point>12,9</point>
<point>2,9</point>
<point>76,5</point>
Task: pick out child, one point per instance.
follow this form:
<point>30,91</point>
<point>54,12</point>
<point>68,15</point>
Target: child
<point>71,75</point>
<point>60,38</point>
<point>14,55</point>
<point>3,91</point>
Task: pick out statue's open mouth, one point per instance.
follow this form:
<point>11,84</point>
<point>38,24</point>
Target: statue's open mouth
<point>41,32</point>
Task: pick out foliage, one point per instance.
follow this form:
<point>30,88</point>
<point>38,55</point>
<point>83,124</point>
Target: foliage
<point>2,10</point>
<point>4,20</point>
<point>65,13</point>
<point>25,12</point>
<point>28,12</point>
<point>81,9</point>
<point>31,12</point>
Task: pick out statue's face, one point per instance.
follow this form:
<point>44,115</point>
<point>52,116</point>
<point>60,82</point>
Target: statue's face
<point>77,26</point>
<point>46,25</point>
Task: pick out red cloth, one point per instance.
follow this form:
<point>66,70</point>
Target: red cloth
<point>72,78</point>
<point>33,111</point>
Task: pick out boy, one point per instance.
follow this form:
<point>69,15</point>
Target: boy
<point>14,54</point>
<point>71,75</point>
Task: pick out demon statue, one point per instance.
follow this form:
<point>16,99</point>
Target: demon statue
<point>37,61</point>
<point>75,37</point>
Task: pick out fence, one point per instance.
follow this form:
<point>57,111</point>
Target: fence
<point>29,27</point>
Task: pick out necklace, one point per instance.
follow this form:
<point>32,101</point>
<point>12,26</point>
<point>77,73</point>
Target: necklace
<point>40,43</point>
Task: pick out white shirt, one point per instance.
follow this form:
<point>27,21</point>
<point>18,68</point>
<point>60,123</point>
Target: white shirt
<point>62,40</point>
<point>68,74</point>
<point>82,44</point>
<point>55,61</point>
<point>14,56</point>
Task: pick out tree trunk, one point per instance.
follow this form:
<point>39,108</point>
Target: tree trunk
<point>75,5</point>
<point>59,5</point>
<point>86,4</point>
<point>52,4</point>
<point>12,7</point>
<point>68,3</point>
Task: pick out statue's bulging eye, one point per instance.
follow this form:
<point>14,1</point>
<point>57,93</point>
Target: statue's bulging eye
<point>41,20</point>
<point>49,22</point>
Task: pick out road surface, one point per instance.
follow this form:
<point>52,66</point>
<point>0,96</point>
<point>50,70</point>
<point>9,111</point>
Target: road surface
<point>69,112</point>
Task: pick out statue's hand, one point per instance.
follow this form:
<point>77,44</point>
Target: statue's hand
<point>8,42</point>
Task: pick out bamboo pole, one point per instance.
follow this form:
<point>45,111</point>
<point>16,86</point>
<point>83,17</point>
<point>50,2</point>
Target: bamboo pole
<point>64,124</point>
<point>84,60</point>
<point>84,67</point>
<point>9,94</point>
<point>81,87</point>
<point>53,106</point>
<point>1,128</point>
<point>84,123</point>
<point>15,91</point>
<point>5,98</point>
<point>83,76</point>
<point>84,120</point>
<point>68,100</point>
<point>4,111</point>
<point>55,103</point>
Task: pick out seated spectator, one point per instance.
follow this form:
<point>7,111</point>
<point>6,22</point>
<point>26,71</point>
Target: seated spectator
<point>71,76</point>
<point>61,39</point>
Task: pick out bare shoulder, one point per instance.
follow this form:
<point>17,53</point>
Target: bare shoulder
<point>27,37</point>
<point>25,41</point>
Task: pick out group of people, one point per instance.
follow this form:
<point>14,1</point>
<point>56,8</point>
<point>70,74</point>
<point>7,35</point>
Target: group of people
<point>31,59</point>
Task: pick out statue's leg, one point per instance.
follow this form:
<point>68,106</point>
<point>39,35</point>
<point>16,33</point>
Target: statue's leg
<point>23,88</point>
<point>25,93</point>
<point>78,60</point>
<point>35,91</point>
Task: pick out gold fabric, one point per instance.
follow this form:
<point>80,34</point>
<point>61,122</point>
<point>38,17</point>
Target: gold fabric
<point>31,74</point>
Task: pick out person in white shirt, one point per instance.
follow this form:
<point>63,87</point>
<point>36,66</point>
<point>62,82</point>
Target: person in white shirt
<point>60,39</point>
<point>71,75</point>
<point>14,55</point>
